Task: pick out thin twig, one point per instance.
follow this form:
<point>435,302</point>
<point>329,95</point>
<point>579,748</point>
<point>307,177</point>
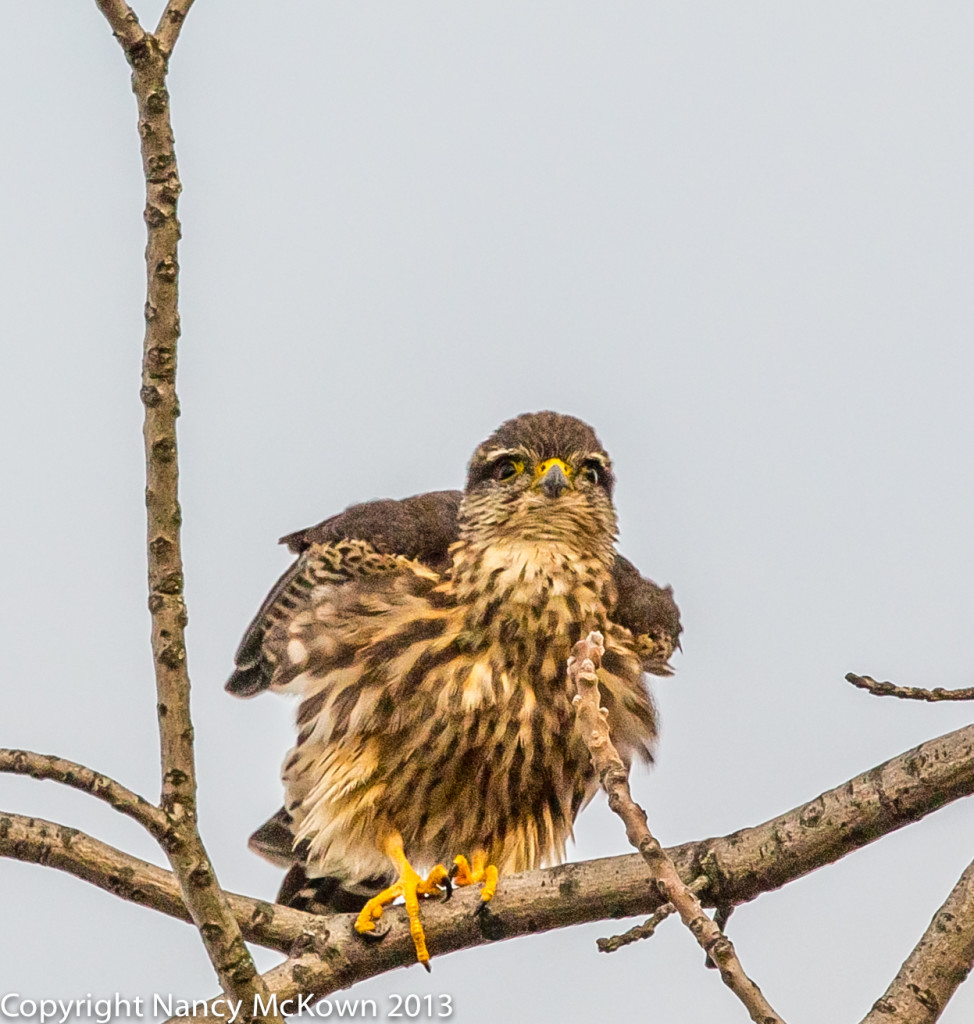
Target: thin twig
<point>908,692</point>
<point>77,776</point>
<point>647,929</point>
<point>940,961</point>
<point>167,31</point>
<point>614,777</point>
<point>201,891</point>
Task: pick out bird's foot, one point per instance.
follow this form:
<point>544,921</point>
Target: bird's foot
<point>410,886</point>
<point>463,874</point>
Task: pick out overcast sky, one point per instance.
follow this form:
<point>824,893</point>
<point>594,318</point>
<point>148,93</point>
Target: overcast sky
<point>737,238</point>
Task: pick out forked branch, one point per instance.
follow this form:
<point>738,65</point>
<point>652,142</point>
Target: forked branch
<point>738,867</point>
<point>148,56</point>
<point>323,954</point>
<point>614,779</point>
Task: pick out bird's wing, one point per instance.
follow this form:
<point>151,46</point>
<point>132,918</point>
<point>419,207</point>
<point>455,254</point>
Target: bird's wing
<point>420,528</point>
<point>423,528</point>
<point>320,568</point>
<point>649,612</point>
<point>334,603</point>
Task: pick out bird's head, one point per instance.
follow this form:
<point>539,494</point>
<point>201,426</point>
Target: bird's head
<point>541,477</point>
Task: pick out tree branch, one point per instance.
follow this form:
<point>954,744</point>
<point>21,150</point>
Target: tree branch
<point>167,31</point>
<point>614,779</point>
<point>36,841</point>
<point>738,867</point>
<point>940,961</point>
<point>201,891</point>
<point>647,929</point>
<point>124,22</point>
<point>908,692</point>
<point>68,773</point>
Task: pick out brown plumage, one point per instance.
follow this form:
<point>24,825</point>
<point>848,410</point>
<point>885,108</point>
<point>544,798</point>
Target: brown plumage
<point>427,641</point>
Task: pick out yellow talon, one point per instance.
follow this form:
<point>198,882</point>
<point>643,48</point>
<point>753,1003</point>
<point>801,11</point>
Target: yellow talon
<point>464,874</point>
<point>410,886</point>
<point>490,883</point>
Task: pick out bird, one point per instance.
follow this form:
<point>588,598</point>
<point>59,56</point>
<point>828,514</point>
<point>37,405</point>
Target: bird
<point>427,640</point>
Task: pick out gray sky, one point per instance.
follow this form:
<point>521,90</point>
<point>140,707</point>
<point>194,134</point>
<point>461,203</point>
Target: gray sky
<point>737,238</point>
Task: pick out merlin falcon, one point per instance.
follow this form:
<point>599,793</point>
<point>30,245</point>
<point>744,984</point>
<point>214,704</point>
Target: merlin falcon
<point>427,641</point>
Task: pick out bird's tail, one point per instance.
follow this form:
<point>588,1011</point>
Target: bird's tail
<point>325,894</point>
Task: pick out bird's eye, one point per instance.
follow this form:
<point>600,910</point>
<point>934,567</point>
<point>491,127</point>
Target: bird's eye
<point>592,472</point>
<point>507,469</point>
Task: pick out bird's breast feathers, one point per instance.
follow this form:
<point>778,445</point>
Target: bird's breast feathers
<point>440,707</point>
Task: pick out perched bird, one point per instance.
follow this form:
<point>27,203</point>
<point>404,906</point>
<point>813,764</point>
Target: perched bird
<point>427,640</point>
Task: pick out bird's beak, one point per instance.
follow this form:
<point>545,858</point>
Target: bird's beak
<point>553,477</point>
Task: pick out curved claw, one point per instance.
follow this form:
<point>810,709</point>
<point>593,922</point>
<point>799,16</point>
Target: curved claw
<point>376,933</point>
<point>410,886</point>
<point>463,874</point>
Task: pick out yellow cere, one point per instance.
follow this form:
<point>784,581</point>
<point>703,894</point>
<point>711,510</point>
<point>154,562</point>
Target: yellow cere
<point>543,468</point>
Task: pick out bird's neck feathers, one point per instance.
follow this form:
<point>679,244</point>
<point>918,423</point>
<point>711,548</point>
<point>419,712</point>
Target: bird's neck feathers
<point>545,562</point>
<point>573,522</point>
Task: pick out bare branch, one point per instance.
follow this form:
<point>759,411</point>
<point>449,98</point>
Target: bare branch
<point>614,779</point>
<point>731,870</point>
<point>739,867</point>
<point>161,409</point>
<point>908,692</point>
<point>124,22</point>
<point>201,891</point>
<point>37,841</point>
<point>68,773</point>
<point>941,960</point>
<point>167,31</point>
<point>647,929</point>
